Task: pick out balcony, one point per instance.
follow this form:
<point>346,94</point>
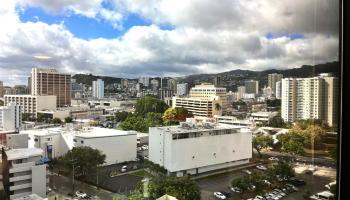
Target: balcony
<point>21,186</point>
<point>20,178</point>
<point>21,167</point>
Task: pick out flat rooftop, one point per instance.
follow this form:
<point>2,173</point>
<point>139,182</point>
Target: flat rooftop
<point>14,154</point>
<point>96,132</point>
<point>191,127</point>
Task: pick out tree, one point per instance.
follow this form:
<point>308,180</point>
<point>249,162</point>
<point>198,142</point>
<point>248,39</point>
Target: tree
<point>150,104</point>
<point>293,147</point>
<point>293,141</point>
<point>277,122</point>
<point>333,153</point>
<point>217,107</point>
<point>85,159</point>
<point>142,124</point>
<point>27,117</point>
<point>57,121</point>
<point>1,103</point>
<point>262,142</point>
<point>183,188</point>
<point>176,115</point>
<point>273,103</point>
<point>120,116</point>
<point>68,120</point>
<point>284,169</point>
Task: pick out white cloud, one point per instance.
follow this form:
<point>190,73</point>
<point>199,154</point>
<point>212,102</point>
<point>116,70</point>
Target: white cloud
<point>208,37</point>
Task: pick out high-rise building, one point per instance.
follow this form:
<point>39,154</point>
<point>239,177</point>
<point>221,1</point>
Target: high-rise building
<point>182,89</point>
<point>272,80</point>
<point>241,92</point>
<point>23,172</point>
<point>51,82</point>
<point>144,81</point>
<point>98,88</point>
<point>154,84</point>
<point>251,87</point>
<point>124,83</point>
<point>29,85</point>
<point>278,93</point>
<point>164,93</point>
<point>2,90</point>
<point>217,81</point>
<point>310,98</point>
<point>20,89</point>
<point>172,84</point>
<point>10,117</point>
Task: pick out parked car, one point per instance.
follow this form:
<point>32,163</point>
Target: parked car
<point>329,185</point>
<point>247,172</point>
<point>261,167</point>
<point>219,195</point>
<point>226,194</point>
<point>325,195</point>
<point>266,182</point>
<point>259,197</point>
<point>235,189</point>
<point>273,159</point>
<point>144,147</point>
<point>251,187</point>
<point>80,194</point>
<point>124,168</point>
<point>292,187</point>
<point>297,182</point>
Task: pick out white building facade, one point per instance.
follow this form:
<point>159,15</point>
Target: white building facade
<point>182,89</point>
<point>23,174</point>
<point>118,146</point>
<point>310,98</point>
<point>10,117</point>
<point>193,148</point>
<point>32,104</point>
<point>98,87</point>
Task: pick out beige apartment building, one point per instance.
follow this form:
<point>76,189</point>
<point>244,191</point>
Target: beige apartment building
<point>310,98</point>
<point>204,100</point>
<point>32,104</point>
<point>50,82</point>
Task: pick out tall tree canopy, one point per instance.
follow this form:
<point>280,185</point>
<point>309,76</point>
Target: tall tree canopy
<point>176,115</point>
<point>148,104</point>
<point>183,188</point>
<point>85,159</point>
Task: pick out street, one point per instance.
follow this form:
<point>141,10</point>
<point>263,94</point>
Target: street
<point>62,186</point>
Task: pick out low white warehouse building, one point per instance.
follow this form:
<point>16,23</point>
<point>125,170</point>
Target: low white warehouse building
<point>192,148</point>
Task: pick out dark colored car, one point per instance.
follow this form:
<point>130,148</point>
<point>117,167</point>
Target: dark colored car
<point>297,182</point>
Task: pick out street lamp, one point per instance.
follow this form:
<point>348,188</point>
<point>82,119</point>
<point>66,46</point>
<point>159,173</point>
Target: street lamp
<point>73,162</point>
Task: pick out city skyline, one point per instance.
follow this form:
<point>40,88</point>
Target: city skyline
<point>163,38</point>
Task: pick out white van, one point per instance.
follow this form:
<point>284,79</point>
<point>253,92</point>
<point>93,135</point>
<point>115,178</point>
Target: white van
<point>329,185</point>
<point>325,195</point>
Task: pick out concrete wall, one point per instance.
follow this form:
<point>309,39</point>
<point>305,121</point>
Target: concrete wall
<point>116,148</point>
<point>39,180</point>
<point>16,141</point>
<point>204,151</point>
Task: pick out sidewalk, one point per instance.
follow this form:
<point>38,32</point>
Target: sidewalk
<point>222,171</point>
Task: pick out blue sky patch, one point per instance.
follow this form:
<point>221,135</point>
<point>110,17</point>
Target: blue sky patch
<point>87,28</point>
<point>292,36</point>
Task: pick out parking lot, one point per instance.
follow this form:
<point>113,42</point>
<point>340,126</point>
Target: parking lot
<point>314,182</point>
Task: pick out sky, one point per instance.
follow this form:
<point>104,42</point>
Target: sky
<point>134,38</point>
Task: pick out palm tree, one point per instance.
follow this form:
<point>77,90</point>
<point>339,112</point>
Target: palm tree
<point>217,106</point>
